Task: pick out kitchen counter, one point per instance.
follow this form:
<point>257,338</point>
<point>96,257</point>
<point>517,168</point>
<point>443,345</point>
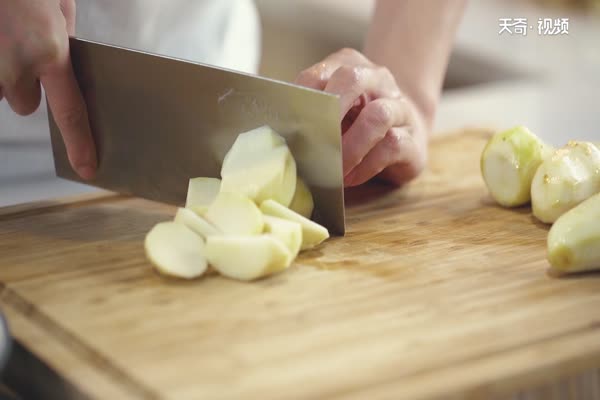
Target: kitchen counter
<point>435,292</point>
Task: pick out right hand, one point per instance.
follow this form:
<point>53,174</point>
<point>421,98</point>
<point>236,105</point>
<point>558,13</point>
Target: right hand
<point>34,49</point>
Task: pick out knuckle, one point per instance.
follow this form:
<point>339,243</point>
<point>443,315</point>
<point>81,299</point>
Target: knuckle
<point>47,51</point>
<point>309,76</point>
<point>385,72</point>
<point>352,75</point>
<point>49,42</point>
<point>394,140</point>
<point>380,113</point>
<point>351,53</point>
<point>54,48</point>
<point>409,157</point>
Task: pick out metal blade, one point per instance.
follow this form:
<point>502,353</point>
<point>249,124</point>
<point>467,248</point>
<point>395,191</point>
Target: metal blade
<point>159,121</point>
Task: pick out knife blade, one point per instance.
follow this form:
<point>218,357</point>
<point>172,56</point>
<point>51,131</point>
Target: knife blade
<point>158,121</point>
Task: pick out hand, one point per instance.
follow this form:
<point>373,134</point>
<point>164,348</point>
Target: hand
<point>34,49</point>
<point>383,132</point>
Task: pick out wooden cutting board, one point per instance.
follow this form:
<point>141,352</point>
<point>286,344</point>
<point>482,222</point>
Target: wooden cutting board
<point>435,292</point>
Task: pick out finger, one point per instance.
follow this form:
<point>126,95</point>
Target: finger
<point>370,127</point>
<point>70,114</point>
<point>24,95</point>
<point>317,75</point>
<point>402,172</point>
<point>68,8</point>
<point>398,150</point>
<point>314,77</point>
<point>352,82</point>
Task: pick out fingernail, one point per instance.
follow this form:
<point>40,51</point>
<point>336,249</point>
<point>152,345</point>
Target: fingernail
<point>86,172</point>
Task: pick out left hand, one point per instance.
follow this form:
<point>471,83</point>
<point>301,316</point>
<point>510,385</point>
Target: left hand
<point>383,133</point>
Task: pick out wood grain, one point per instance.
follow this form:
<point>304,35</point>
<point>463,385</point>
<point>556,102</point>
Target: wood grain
<point>435,292</point>
<point>28,373</point>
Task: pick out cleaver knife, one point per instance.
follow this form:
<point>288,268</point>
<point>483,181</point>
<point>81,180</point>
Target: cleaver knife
<point>158,121</point>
